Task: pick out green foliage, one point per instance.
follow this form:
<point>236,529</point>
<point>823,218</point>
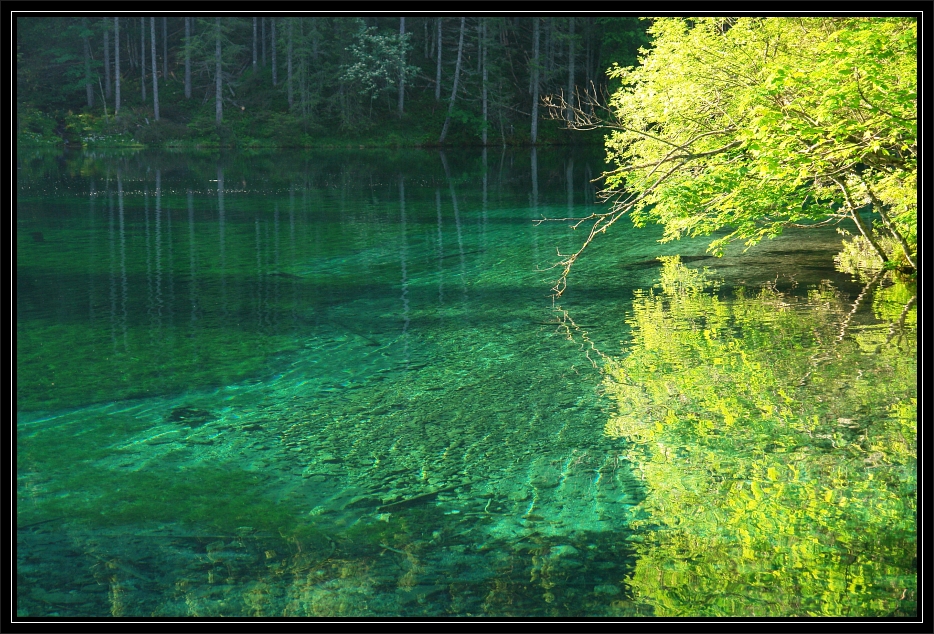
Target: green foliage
<point>377,59</point>
<point>624,38</point>
<point>345,73</point>
<point>752,124</point>
<point>34,128</point>
<point>778,456</point>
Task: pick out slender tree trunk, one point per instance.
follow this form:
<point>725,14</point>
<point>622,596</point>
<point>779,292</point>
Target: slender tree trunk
<point>484,92</point>
<point>858,221</point>
<point>588,58</point>
<point>438,71</point>
<point>536,63</point>
<point>867,233</point>
<point>550,48</point>
<point>289,62</point>
<point>316,36</point>
<point>479,45</point>
<point>187,58</point>
<point>457,72</point>
<point>569,110</point>
<point>254,45</point>
<point>155,81</point>
<point>272,43</point>
<point>303,67</point>
<point>106,58</point>
<point>132,49</point>
<point>88,86</point>
<point>893,230</point>
<point>401,68</point>
<point>263,38</point>
<point>427,39</point>
<point>117,66</point>
<point>165,49</point>
<point>142,54</point>
<point>218,95</point>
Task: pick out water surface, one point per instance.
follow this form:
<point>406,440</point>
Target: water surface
<point>336,384</point>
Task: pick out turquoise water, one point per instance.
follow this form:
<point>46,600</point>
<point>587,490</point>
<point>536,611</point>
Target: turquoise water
<point>336,384</point>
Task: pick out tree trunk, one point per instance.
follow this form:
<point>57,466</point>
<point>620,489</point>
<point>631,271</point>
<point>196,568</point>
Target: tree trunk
<point>550,48</point>
<point>165,48</point>
<point>485,92</point>
<point>479,45</point>
<point>218,95</point>
<point>893,230</point>
<point>88,87</point>
<point>272,43</point>
<point>401,67</point>
<point>858,221</point>
<point>315,38</point>
<point>263,39</point>
<point>536,62</point>
<point>289,62</point>
<point>117,65</point>
<point>438,71</point>
<point>106,58</point>
<point>187,58</point>
<point>302,87</point>
<point>142,55</point>
<point>254,45</point>
<point>130,51</point>
<point>155,72</point>
<point>457,72</point>
<point>588,58</point>
<point>867,233</point>
<point>569,110</point>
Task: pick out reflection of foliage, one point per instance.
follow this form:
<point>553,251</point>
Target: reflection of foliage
<point>859,258</point>
<point>681,279</point>
<point>779,459</point>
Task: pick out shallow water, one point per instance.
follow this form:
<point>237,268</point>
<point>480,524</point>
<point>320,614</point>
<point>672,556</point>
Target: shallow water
<point>335,384</point>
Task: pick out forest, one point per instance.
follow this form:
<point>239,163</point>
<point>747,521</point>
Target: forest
<point>311,81</point>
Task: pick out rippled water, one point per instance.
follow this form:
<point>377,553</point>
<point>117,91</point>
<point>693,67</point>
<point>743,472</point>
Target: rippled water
<point>335,384</point>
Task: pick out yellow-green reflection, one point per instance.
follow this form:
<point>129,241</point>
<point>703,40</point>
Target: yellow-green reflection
<point>776,440</point>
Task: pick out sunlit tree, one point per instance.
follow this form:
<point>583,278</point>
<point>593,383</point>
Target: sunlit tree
<point>751,125</point>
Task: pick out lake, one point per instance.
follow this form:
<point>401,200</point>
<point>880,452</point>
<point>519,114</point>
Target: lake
<point>336,383</point>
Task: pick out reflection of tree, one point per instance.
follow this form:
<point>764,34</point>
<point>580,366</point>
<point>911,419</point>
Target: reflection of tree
<point>770,495</point>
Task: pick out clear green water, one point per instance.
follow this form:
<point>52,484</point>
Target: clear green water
<point>335,384</point>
